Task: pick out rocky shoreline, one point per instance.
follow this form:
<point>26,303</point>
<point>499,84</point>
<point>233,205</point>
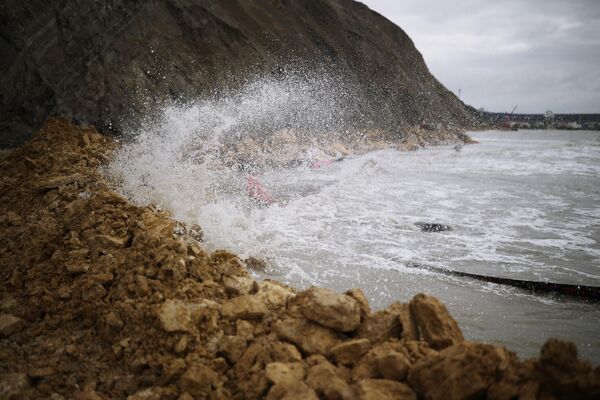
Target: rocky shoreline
<point>104,299</point>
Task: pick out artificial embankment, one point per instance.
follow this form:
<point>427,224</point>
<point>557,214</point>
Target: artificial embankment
<point>103,299</point>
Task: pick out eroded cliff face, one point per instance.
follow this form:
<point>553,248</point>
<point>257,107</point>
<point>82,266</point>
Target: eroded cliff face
<point>108,63</point>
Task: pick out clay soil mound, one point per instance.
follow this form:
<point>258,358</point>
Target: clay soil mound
<point>102,299</point>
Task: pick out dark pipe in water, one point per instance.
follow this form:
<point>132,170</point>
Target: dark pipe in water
<point>579,291</point>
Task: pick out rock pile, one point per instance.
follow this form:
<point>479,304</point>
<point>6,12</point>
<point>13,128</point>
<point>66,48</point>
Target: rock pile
<point>101,299</point>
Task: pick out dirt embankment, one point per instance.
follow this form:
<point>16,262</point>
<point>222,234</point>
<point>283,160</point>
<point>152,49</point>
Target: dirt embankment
<point>101,299</point>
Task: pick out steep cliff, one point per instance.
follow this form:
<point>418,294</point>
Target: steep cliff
<point>106,63</point>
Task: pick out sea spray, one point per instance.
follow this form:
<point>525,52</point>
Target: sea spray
<point>194,158</point>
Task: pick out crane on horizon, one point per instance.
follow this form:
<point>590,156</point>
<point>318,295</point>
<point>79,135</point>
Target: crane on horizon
<point>506,124</point>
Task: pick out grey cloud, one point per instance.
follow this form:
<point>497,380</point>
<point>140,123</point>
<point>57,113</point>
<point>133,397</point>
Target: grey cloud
<point>540,54</point>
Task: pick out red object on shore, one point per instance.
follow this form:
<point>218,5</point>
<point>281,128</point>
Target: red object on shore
<point>320,164</point>
<point>258,192</point>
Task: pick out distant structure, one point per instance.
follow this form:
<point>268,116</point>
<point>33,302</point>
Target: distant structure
<point>507,122</point>
<point>549,118</point>
<point>546,120</point>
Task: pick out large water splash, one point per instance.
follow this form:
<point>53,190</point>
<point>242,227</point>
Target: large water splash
<point>194,159</point>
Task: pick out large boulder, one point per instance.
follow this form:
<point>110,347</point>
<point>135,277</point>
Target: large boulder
<point>562,373</point>
<point>434,323</point>
<point>200,380</point>
<point>246,307</point>
<point>176,316</point>
<point>275,295</point>
<point>383,389</point>
<point>280,373</point>
<point>384,324</point>
<point>293,391</point>
<point>336,311</point>
<point>463,371</point>
<point>387,360</point>
<point>308,336</point>
<point>350,351</point>
<point>328,382</point>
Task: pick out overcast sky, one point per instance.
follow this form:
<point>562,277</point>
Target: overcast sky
<point>539,54</point>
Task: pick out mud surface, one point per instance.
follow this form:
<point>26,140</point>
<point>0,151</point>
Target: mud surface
<point>102,299</point>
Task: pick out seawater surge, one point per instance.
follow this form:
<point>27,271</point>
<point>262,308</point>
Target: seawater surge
<point>521,205</point>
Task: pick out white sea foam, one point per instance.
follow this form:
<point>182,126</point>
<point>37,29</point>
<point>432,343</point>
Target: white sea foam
<point>523,206</point>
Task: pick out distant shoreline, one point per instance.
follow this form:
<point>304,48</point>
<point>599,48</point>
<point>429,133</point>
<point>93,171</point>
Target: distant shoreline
<point>547,120</point>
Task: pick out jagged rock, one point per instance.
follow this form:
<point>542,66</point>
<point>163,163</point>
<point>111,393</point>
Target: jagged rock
<point>363,302</point>
<point>238,285</point>
<point>195,232</point>
<point>409,327</point>
<point>563,374</point>
<point>463,371</point>
<point>246,307</point>
<point>336,311</point>
<point>310,337</point>
<point>177,316</point>
<point>256,264</point>
<point>383,389</point>
<point>394,366</point>
<point>232,346</point>
<point>383,325</point>
<point>12,385</point>
<point>293,391</point>
<point>386,360</point>
<point>249,370</point>
<point>59,181</point>
<point>350,351</point>
<point>113,320</point>
<point>280,373</point>
<point>174,368</point>
<point>199,380</point>
<point>435,324</point>
<point>417,350</point>
<point>325,379</point>
<point>10,324</point>
<point>274,294</point>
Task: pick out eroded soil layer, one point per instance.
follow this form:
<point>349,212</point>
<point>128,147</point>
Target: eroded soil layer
<point>101,299</point>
